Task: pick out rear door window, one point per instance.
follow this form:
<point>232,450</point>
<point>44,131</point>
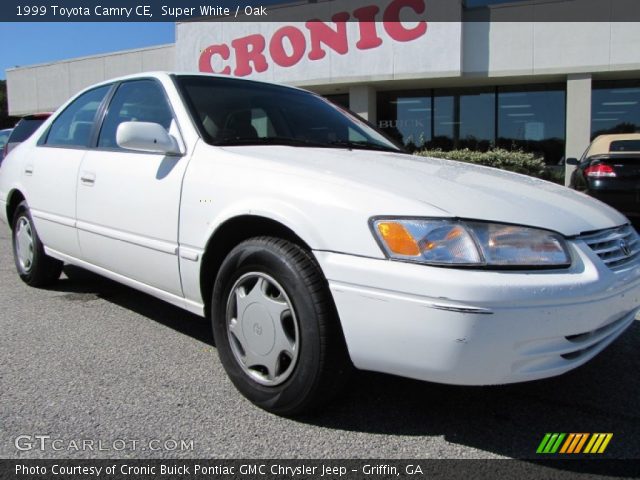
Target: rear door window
<point>73,127</point>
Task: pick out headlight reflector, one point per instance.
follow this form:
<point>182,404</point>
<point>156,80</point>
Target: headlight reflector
<point>470,243</point>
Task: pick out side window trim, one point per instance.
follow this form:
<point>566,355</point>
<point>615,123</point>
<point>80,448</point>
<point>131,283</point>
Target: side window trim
<point>107,105</point>
<point>101,114</point>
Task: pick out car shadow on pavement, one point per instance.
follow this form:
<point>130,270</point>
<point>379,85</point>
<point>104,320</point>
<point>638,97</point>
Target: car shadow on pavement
<point>509,420</point>
<point>82,285</point>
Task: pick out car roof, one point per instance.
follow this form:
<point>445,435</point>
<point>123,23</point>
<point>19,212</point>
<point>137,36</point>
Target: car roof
<point>602,144</point>
<point>167,74</point>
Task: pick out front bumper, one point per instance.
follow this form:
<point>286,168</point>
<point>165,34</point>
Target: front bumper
<point>479,327</point>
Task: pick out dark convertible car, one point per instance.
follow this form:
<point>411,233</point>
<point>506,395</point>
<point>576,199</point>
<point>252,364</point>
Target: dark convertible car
<point>610,171</point>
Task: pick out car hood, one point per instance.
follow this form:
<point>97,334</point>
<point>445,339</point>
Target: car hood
<point>457,189</point>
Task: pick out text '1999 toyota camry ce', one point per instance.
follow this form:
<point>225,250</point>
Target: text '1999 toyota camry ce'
<point>313,243</point>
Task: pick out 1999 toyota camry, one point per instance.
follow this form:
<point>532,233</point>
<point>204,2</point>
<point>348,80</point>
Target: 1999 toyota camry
<point>313,243</point>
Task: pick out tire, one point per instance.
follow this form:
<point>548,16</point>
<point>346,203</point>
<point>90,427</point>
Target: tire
<point>276,327</point>
<point>34,266</point>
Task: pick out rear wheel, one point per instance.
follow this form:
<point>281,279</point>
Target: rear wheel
<point>276,329</point>
<point>34,266</point>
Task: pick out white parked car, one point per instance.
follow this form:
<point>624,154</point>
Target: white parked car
<point>313,243</point>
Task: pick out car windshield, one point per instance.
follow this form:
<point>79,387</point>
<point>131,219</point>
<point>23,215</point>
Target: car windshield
<point>25,128</point>
<point>239,112</point>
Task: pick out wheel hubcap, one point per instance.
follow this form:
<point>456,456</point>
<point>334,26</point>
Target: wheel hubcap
<point>262,329</point>
<point>24,244</point>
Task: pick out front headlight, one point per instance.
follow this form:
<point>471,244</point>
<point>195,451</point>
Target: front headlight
<point>446,242</point>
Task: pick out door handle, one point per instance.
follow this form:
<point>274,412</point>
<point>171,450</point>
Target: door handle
<point>88,178</point>
<point>28,170</point>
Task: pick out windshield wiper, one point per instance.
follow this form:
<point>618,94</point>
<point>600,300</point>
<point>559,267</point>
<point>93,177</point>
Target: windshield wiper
<point>293,142</point>
<point>362,145</point>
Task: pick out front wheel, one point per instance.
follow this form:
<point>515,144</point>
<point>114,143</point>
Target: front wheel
<point>35,267</point>
<point>276,329</point>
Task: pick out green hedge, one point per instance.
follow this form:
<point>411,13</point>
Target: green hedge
<point>512,160</point>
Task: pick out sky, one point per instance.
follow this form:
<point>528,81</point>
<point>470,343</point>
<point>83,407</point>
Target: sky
<point>24,44</point>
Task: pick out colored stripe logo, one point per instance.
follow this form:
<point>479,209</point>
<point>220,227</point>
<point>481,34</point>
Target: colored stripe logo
<point>573,443</point>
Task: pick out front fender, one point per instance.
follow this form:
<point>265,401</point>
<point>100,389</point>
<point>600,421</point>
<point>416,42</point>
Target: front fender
<point>327,211</point>
<point>284,213</point>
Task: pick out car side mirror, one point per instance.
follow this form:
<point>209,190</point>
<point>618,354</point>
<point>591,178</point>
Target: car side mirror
<point>572,161</point>
<point>146,137</point>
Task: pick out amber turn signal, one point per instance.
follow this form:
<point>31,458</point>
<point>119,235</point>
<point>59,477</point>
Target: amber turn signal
<point>398,240</point>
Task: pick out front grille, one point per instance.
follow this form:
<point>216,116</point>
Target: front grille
<point>616,247</point>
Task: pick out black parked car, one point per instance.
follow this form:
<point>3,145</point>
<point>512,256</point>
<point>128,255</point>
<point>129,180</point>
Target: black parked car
<point>610,171</point>
<point>23,130</point>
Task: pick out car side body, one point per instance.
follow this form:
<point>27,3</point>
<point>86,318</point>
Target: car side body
<point>168,222</point>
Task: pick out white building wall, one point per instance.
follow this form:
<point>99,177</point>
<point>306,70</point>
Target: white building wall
<point>504,48</point>
<point>85,72</point>
<point>362,100</point>
<point>43,88</point>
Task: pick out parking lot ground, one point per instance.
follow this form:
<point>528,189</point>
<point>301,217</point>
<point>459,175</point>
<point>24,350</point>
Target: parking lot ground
<point>91,359</point>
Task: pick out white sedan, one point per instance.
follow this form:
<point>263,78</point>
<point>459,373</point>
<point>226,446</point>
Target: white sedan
<point>313,243</point>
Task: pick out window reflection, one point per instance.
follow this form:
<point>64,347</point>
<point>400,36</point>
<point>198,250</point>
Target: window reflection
<point>615,107</point>
<point>477,120</point>
<point>532,119</point>
<point>444,120</point>
<point>406,117</point>
<point>464,120</point>
<point>529,118</point>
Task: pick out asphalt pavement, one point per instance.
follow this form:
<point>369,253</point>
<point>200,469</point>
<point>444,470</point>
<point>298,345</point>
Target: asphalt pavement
<point>91,360</point>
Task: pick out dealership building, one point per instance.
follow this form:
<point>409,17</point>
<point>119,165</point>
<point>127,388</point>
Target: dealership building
<point>485,80</point>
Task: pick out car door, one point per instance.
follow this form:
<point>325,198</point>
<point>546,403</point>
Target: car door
<point>51,171</point>
<point>128,201</point>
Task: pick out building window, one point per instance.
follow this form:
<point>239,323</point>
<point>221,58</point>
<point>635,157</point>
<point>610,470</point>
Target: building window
<point>406,117</point>
<point>615,107</point>
<point>530,118</point>
<point>464,120</point>
<point>533,119</point>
